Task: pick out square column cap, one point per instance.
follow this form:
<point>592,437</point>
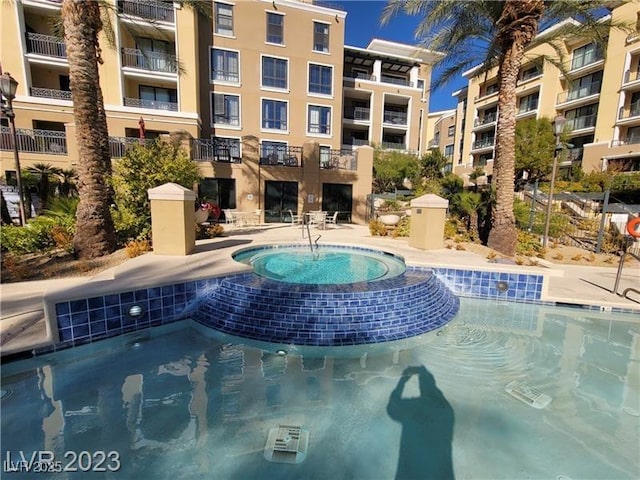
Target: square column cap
<point>430,200</point>
<point>171,191</point>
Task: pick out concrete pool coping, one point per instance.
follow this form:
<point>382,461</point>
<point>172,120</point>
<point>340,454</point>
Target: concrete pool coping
<point>23,305</point>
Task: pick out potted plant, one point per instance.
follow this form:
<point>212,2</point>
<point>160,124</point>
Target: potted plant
<point>390,212</point>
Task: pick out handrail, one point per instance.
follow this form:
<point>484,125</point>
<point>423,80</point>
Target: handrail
<point>630,289</point>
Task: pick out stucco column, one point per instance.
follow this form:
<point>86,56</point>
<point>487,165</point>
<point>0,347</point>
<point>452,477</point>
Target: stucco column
<point>311,188</point>
<point>428,214</point>
<point>364,165</point>
<point>253,195</point>
<point>173,225</point>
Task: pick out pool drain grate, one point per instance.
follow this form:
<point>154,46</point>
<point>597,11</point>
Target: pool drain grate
<point>286,444</point>
<point>528,394</point>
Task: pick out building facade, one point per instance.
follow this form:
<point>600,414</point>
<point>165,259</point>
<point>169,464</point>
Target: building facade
<point>599,97</point>
<point>275,71</point>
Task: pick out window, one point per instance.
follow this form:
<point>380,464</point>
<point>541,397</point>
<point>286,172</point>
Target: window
<point>223,19</point>
<point>420,84</point>
<point>275,28</point>
<point>451,130</point>
<point>530,72</point>
<point>635,105</point>
<point>320,79</point>
<point>320,37</point>
<point>585,86</point>
<point>225,65</point>
<point>583,117</point>
<point>273,153</point>
<point>221,191</point>
<point>226,109</point>
<point>585,55</point>
<point>633,135</point>
<point>528,103</point>
<point>319,120</point>
<point>274,72</point>
<point>325,156</point>
<point>274,114</point>
<point>492,89</point>
<point>448,151</point>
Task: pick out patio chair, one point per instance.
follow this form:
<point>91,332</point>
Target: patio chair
<point>332,220</point>
<point>317,219</point>
<point>229,217</point>
<point>295,219</point>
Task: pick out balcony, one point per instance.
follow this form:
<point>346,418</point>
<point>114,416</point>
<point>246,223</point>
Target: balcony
<point>50,93</point>
<point>633,140</point>
<point>394,118</point>
<point>152,104</point>
<point>148,9</point>
<point>575,94</point>
<point>631,76</point>
<point>483,143</point>
<point>338,160</point>
<point>356,142</point>
<point>396,81</point>
<point>217,150</point>
<point>358,113</point>
<point>152,61</point>
<point>118,146</point>
<point>35,141</point>
<point>284,156</point>
<point>633,113</point>
<point>580,123</point>
<point>393,146</point>
<point>360,76</point>
<point>46,45</point>
<point>486,120</point>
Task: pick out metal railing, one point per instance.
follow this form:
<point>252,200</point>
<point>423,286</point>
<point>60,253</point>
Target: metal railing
<point>358,113</point>
<point>118,146</point>
<point>50,93</point>
<point>485,120</point>
<point>35,141</point>
<point>482,96</point>
<point>338,160</point>
<point>396,81</point>
<point>225,76</point>
<point>154,104</point>
<point>47,45</point>
<point>393,145</point>
<point>627,141</point>
<point>395,118</point>
<point>579,123</point>
<point>153,61</point>
<point>281,155</point>
<point>634,111</point>
<point>361,76</point>
<point>578,93</point>
<point>149,9</point>
<point>216,150</point>
<point>485,143</point>
<point>631,76</point>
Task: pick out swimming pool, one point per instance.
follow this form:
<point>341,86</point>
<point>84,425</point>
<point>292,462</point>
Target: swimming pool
<point>185,402</point>
<point>324,265</point>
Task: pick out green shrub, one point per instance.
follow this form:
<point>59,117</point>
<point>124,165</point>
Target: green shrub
<point>403,228</point>
<point>529,245</point>
<point>377,228</point>
<point>33,237</point>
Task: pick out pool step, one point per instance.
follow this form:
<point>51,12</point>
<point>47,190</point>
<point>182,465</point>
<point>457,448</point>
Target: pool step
<point>369,312</point>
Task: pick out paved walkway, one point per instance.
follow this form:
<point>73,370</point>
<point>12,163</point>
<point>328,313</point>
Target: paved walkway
<point>22,325</point>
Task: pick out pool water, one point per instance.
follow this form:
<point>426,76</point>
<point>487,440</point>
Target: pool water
<point>185,402</point>
<point>325,266</point>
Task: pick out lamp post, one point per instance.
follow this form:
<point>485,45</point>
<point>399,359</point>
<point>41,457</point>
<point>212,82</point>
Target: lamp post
<point>558,127</point>
<point>8,87</point>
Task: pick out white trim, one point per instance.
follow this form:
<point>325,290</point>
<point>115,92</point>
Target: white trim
<point>333,87</point>
<point>274,130</point>
<point>269,88</point>
<point>309,7</point>
<point>319,135</point>
<point>224,82</point>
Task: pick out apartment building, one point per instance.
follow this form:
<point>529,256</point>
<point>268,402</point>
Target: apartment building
<point>273,72</point>
<point>441,128</point>
<point>599,97</point>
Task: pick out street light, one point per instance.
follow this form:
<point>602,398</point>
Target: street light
<point>558,127</point>
<point>8,87</point>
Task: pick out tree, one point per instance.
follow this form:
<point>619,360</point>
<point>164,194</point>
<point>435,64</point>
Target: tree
<point>535,146</point>
<point>144,167</point>
<point>44,172</point>
<point>433,164</point>
<point>392,167</point>
<point>495,34</point>
<point>95,233</point>
<point>67,182</point>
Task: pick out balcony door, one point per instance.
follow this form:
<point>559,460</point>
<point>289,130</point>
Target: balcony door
<point>279,198</point>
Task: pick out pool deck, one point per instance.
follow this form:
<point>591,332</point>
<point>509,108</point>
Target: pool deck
<point>23,327</point>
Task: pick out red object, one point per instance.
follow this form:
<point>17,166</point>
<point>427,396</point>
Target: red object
<point>141,125</point>
<point>633,227</point>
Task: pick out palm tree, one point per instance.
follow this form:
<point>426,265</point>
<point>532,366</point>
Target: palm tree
<point>95,234</point>
<point>44,172</point>
<point>67,182</point>
<point>498,33</point>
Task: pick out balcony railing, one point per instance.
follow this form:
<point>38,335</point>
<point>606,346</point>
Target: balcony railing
<point>578,93</point>
<point>154,104</point>
<point>118,146</point>
<point>358,113</point>
<point>154,61</point>
<point>575,154</point>
<point>484,95</point>
<point>484,143</point>
<point>148,9</point>
<point>396,81</point>
<point>46,45</point>
<point>393,145</point>
<point>35,141</point>
<point>633,140</point>
<point>356,142</point>
<point>485,120</point>
<point>434,144</point>
<point>395,118</point>
<point>216,150</point>
<point>50,93</point>
<point>361,76</point>
<point>338,160</point>
<point>579,123</point>
<point>631,75</point>
<point>634,111</point>
<point>281,155</point>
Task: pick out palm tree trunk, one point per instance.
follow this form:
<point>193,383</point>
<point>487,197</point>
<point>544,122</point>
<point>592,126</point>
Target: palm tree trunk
<point>95,234</point>
<point>517,27</point>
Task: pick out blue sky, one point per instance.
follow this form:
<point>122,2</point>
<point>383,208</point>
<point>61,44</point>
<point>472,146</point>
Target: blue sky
<point>363,24</point>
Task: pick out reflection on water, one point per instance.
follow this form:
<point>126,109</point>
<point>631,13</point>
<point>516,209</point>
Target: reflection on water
<point>188,402</point>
